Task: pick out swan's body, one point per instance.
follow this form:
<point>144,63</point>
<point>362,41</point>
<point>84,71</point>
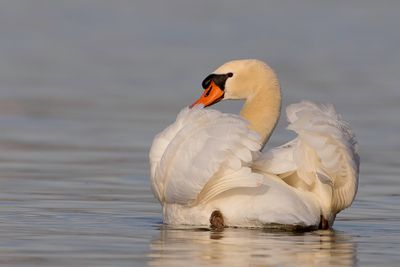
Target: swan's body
<point>209,161</point>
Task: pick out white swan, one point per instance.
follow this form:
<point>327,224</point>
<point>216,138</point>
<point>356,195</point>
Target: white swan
<point>206,167</point>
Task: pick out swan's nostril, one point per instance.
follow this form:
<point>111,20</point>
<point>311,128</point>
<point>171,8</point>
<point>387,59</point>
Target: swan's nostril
<point>208,92</point>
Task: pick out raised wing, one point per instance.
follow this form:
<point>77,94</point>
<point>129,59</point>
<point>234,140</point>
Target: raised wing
<point>202,154</point>
<point>323,158</point>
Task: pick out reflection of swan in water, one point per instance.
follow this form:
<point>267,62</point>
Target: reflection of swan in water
<point>242,247</point>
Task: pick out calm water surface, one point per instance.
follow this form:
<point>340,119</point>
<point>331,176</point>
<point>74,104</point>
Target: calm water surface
<point>85,86</point>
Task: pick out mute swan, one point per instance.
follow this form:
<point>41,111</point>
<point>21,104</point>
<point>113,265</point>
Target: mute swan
<point>207,168</point>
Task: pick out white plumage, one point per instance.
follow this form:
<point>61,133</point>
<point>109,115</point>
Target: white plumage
<point>201,155</point>
<point>322,159</point>
<point>208,160</point>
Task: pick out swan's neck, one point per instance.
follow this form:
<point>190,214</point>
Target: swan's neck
<point>262,110</point>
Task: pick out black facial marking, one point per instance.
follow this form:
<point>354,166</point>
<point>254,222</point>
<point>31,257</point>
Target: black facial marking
<point>219,80</point>
<point>206,82</point>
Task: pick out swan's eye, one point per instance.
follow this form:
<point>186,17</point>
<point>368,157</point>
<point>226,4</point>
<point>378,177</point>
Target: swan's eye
<point>230,74</point>
<point>207,81</point>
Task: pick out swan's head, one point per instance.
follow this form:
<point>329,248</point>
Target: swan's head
<point>237,79</point>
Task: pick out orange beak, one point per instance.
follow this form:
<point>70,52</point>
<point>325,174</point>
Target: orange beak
<point>211,95</point>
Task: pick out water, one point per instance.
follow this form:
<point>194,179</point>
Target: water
<point>85,86</point>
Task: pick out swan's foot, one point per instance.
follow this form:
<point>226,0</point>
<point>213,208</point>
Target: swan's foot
<point>323,224</point>
<point>216,220</point>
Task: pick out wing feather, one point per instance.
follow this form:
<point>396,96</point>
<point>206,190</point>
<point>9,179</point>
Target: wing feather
<point>204,153</point>
<point>325,151</point>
